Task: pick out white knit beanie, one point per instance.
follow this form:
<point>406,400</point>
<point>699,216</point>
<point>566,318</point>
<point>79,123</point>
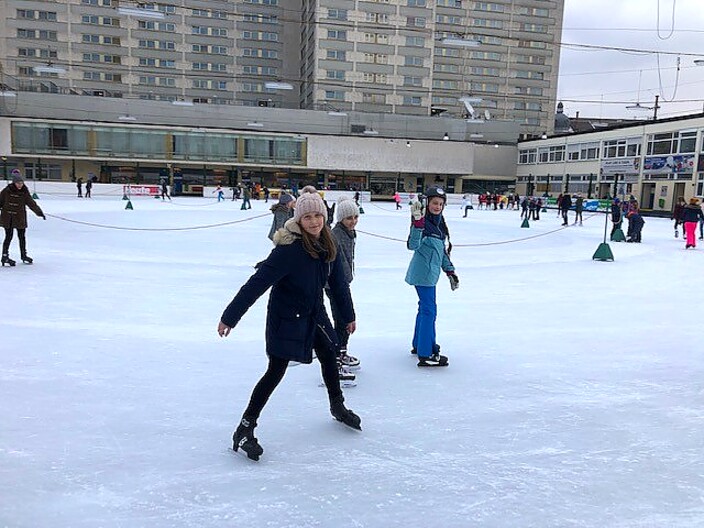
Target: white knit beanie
<point>346,208</point>
<point>309,203</point>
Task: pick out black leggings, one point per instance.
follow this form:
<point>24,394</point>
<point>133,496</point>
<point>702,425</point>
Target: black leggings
<point>8,239</point>
<point>324,349</point>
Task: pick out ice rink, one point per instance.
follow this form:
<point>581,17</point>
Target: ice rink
<point>574,395</point>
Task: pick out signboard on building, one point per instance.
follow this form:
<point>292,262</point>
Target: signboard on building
<point>669,164</point>
<point>620,166</point>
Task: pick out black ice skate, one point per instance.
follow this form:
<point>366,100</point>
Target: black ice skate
<point>436,350</point>
<point>350,362</point>
<point>244,439</point>
<point>435,360</point>
<point>344,415</point>
<point>7,260</point>
<point>26,259</point>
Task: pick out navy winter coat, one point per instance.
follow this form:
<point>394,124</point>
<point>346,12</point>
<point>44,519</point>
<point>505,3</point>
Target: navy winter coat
<point>295,311</point>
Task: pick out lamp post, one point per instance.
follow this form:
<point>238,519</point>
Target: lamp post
<point>529,188</point>
<point>589,189</point>
<point>4,167</point>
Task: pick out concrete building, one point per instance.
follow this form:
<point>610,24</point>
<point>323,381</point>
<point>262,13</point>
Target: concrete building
<point>201,51</point>
<point>65,137</point>
<point>391,56</point>
<point>413,57</point>
<point>655,161</point>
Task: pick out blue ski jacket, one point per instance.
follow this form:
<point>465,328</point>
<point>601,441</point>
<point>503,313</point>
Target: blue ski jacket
<point>429,258</point>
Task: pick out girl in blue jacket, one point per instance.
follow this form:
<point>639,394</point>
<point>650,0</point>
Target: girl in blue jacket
<point>427,241</point>
<point>303,260</point>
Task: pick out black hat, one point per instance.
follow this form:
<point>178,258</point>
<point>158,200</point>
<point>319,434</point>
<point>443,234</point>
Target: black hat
<point>432,192</point>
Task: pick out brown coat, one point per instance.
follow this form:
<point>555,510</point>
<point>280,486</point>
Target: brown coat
<point>13,202</point>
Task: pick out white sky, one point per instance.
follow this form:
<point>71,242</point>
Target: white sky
<point>613,76</point>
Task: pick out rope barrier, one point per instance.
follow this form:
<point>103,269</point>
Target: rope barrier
<point>192,228</point>
<point>481,244</point>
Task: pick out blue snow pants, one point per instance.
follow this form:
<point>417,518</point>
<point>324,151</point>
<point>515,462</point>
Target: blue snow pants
<point>424,335</point>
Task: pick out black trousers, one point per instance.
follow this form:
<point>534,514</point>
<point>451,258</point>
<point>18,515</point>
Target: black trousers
<point>325,347</point>
<point>8,239</point>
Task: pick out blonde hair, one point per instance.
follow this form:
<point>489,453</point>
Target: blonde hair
<point>325,242</point>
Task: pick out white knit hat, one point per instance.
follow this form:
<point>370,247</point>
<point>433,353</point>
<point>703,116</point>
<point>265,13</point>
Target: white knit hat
<point>346,208</point>
<point>309,203</point>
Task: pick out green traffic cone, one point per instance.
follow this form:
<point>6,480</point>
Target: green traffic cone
<point>35,196</point>
<point>129,205</point>
<point>618,236</point>
<point>156,196</point>
<point>603,253</point>
<point>544,210</point>
<point>361,210</point>
<point>525,223</point>
<point>124,196</point>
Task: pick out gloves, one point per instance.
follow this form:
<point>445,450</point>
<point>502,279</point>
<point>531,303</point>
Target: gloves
<point>416,210</point>
<point>454,280</point>
<point>417,218</point>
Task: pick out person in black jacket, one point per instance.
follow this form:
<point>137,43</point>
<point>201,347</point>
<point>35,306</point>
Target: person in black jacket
<point>616,217</point>
<point>565,206</point>
<point>691,214</point>
<point>14,199</point>
<point>677,216</point>
<point>304,260</point>
<point>578,208</point>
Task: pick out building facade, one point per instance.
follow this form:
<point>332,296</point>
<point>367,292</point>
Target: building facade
<point>411,56</point>
<point>389,56</point>
<point>657,162</point>
<point>63,138</point>
<point>197,51</point>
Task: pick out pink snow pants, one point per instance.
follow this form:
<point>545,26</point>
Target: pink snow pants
<point>690,229</point>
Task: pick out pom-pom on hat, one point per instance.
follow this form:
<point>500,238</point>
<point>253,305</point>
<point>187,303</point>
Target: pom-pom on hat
<point>309,203</point>
<point>346,208</point>
<point>309,189</point>
<point>17,176</point>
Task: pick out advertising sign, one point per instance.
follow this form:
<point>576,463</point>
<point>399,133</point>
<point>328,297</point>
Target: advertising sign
<point>141,190</point>
<point>620,166</point>
<point>676,164</point>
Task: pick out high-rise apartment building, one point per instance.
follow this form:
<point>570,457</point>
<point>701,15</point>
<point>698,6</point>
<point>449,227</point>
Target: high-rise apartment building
<point>204,51</point>
<point>421,56</point>
<point>418,57</point>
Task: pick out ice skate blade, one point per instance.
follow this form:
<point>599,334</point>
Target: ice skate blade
<point>421,364</point>
<point>356,427</point>
<point>251,456</point>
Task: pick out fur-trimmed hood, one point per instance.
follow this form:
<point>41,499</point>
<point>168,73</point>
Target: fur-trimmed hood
<point>288,234</point>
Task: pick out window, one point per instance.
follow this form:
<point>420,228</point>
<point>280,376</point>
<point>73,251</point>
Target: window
<point>337,14</point>
<point>372,98</point>
<point>412,60</point>
<point>683,142</point>
<point>415,42</point>
<point>336,74</point>
<point>447,68</point>
<point>488,23</point>
<point>416,3</point>
<point>485,55</point>
<point>524,74</point>
<point>494,72</point>
<point>526,156</point>
<point>449,3</point>
<point>534,28</point>
<point>448,19</point>
<point>336,34</point>
<point>489,6</point>
<point>376,78</point>
<point>416,21</point>
<point>339,55</point>
<point>412,100</point>
<point>336,95</point>
<point>377,18</point>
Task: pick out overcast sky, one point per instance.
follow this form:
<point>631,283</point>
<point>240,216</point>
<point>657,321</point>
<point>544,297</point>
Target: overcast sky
<point>613,76</point>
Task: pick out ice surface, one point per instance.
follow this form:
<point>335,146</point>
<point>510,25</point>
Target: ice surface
<point>574,396</point>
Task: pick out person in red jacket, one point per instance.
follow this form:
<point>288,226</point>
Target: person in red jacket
<point>691,214</point>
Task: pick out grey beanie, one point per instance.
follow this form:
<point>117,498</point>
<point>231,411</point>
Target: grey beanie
<point>17,176</point>
<point>346,208</point>
<point>285,198</point>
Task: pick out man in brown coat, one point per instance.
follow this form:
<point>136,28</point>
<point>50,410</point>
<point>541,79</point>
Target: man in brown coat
<point>14,199</point>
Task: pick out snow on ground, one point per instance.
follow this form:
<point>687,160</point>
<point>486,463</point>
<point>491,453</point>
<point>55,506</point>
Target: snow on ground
<point>573,398</point>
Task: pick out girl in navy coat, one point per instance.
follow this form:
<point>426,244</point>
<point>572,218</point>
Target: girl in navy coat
<point>304,260</point>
